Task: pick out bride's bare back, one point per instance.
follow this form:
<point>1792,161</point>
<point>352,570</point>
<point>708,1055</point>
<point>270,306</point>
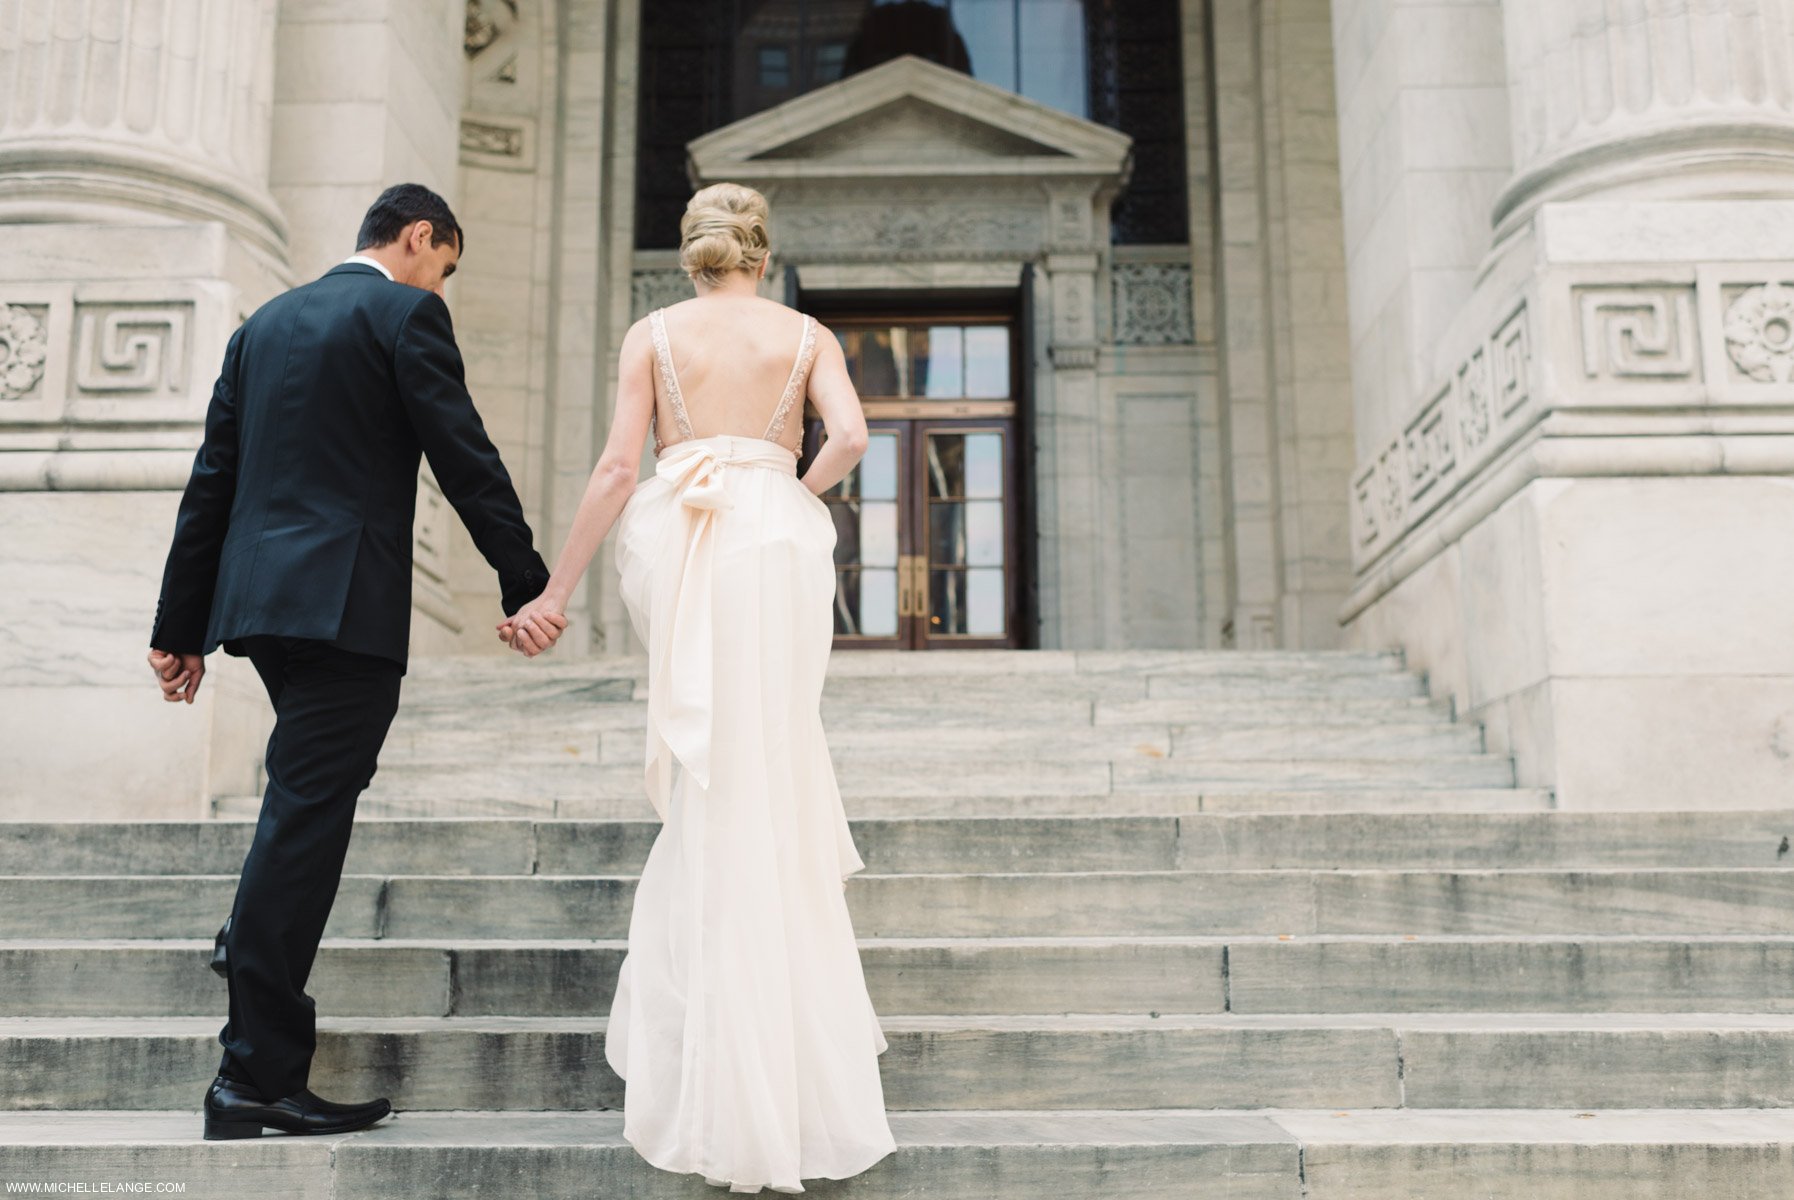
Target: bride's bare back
<point>740,364</point>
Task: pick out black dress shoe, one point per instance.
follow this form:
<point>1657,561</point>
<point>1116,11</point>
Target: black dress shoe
<point>237,1110</point>
<point>219,959</point>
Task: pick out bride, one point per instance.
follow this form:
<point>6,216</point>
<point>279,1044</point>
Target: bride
<point>741,1023</point>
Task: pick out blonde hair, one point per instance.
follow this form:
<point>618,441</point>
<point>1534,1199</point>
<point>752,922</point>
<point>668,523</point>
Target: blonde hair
<point>723,230</point>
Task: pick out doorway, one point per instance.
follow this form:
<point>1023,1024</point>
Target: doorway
<point>928,524</point>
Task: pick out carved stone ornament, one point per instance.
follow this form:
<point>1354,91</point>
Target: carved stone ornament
<point>22,351</point>
<point>1152,303</point>
<point>657,288</point>
<point>1759,333</point>
<point>487,21</point>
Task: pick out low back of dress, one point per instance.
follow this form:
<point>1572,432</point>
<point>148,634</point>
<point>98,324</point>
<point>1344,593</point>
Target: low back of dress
<point>676,400</point>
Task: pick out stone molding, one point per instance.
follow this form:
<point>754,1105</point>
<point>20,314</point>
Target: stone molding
<point>112,354</point>
<point>802,137</point>
<point>1590,370</point>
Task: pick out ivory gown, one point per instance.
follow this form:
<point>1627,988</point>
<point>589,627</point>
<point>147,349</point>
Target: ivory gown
<point>741,1023</point>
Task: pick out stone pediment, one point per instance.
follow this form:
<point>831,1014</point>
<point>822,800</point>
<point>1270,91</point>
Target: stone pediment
<point>908,117</point>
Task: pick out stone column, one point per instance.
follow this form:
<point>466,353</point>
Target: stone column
<point>1578,527</point>
<point>134,147</point>
<point>125,110</point>
<point>1658,99</point>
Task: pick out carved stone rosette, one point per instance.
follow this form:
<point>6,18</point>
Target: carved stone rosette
<point>23,348</point>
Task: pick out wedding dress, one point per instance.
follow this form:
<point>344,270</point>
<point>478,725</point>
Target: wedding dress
<point>741,1024</point>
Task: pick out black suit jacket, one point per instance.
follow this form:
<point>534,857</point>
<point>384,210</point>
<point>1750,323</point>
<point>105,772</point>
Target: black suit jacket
<point>297,518</point>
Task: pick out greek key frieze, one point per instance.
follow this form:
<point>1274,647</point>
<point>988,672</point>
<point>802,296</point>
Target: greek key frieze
<point>1638,332</point>
<point>132,348</point>
<point>1461,425</point>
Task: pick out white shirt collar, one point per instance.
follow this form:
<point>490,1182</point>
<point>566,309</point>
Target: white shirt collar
<point>372,262</point>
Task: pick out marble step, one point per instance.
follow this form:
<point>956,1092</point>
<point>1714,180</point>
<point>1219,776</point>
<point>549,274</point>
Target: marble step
<point>1266,974</point>
<point>412,977</point>
<point>895,711</point>
<point>550,742</point>
<point>1117,1061</point>
<point>1142,1154</point>
<point>533,787</point>
<point>1584,901</point>
<point>959,664</point>
<point>1193,841</point>
<point>990,804</point>
<point>995,691</point>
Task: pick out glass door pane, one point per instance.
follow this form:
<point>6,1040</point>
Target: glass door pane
<point>865,505</point>
<point>967,538</point>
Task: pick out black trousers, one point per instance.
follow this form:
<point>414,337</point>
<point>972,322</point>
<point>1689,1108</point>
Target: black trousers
<point>332,710</point>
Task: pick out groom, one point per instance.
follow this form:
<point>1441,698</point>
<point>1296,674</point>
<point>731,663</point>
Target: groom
<point>292,547</point>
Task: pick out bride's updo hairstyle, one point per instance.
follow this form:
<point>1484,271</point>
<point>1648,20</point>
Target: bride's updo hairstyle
<point>723,230</point>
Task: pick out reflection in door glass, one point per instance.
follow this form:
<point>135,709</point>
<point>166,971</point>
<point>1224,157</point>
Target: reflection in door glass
<point>987,360</point>
<point>966,602</point>
<point>864,505</point>
<point>872,361</point>
<point>940,361</point>
<point>965,533</point>
<point>965,464</point>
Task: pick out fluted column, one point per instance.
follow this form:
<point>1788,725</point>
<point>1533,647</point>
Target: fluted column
<point>1661,99</point>
<point>114,109</point>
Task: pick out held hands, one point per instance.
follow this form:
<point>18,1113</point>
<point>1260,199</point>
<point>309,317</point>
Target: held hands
<point>179,674</point>
<point>534,627</point>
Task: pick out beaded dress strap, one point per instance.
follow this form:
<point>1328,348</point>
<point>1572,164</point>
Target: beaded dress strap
<point>806,348</point>
<point>663,354</point>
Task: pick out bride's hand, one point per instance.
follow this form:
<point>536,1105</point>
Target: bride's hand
<point>534,627</point>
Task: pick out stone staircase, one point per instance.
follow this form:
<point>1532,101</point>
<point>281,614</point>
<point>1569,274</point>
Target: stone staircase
<point>1137,924</point>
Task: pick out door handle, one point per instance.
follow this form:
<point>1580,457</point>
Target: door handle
<point>912,585</point>
<point>918,584</point>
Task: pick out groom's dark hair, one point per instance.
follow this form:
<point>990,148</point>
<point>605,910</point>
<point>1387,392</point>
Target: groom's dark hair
<point>400,205</point>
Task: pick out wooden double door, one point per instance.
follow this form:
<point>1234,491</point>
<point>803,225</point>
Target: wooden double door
<point>927,523</point>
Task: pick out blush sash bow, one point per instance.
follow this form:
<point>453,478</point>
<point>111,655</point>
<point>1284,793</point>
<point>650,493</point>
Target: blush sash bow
<point>682,632</point>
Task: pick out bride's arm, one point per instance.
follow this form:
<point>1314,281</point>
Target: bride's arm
<point>832,391</point>
<point>613,479</point>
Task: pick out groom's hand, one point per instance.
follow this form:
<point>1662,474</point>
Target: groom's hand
<point>179,674</point>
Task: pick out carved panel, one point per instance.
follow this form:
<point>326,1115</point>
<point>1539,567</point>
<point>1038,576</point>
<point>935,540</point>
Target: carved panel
<point>1152,303</point>
<point>1759,332</point>
<point>487,22</point>
<point>24,347</point>
<point>507,143</point>
<point>135,349</point>
<point>1479,406</point>
<point>1512,348</point>
<point>1476,407</point>
<point>1430,448</point>
<point>429,531</point>
<point>657,288</point>
<point>920,231</point>
<point>1367,529</point>
<point>1638,332</point>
